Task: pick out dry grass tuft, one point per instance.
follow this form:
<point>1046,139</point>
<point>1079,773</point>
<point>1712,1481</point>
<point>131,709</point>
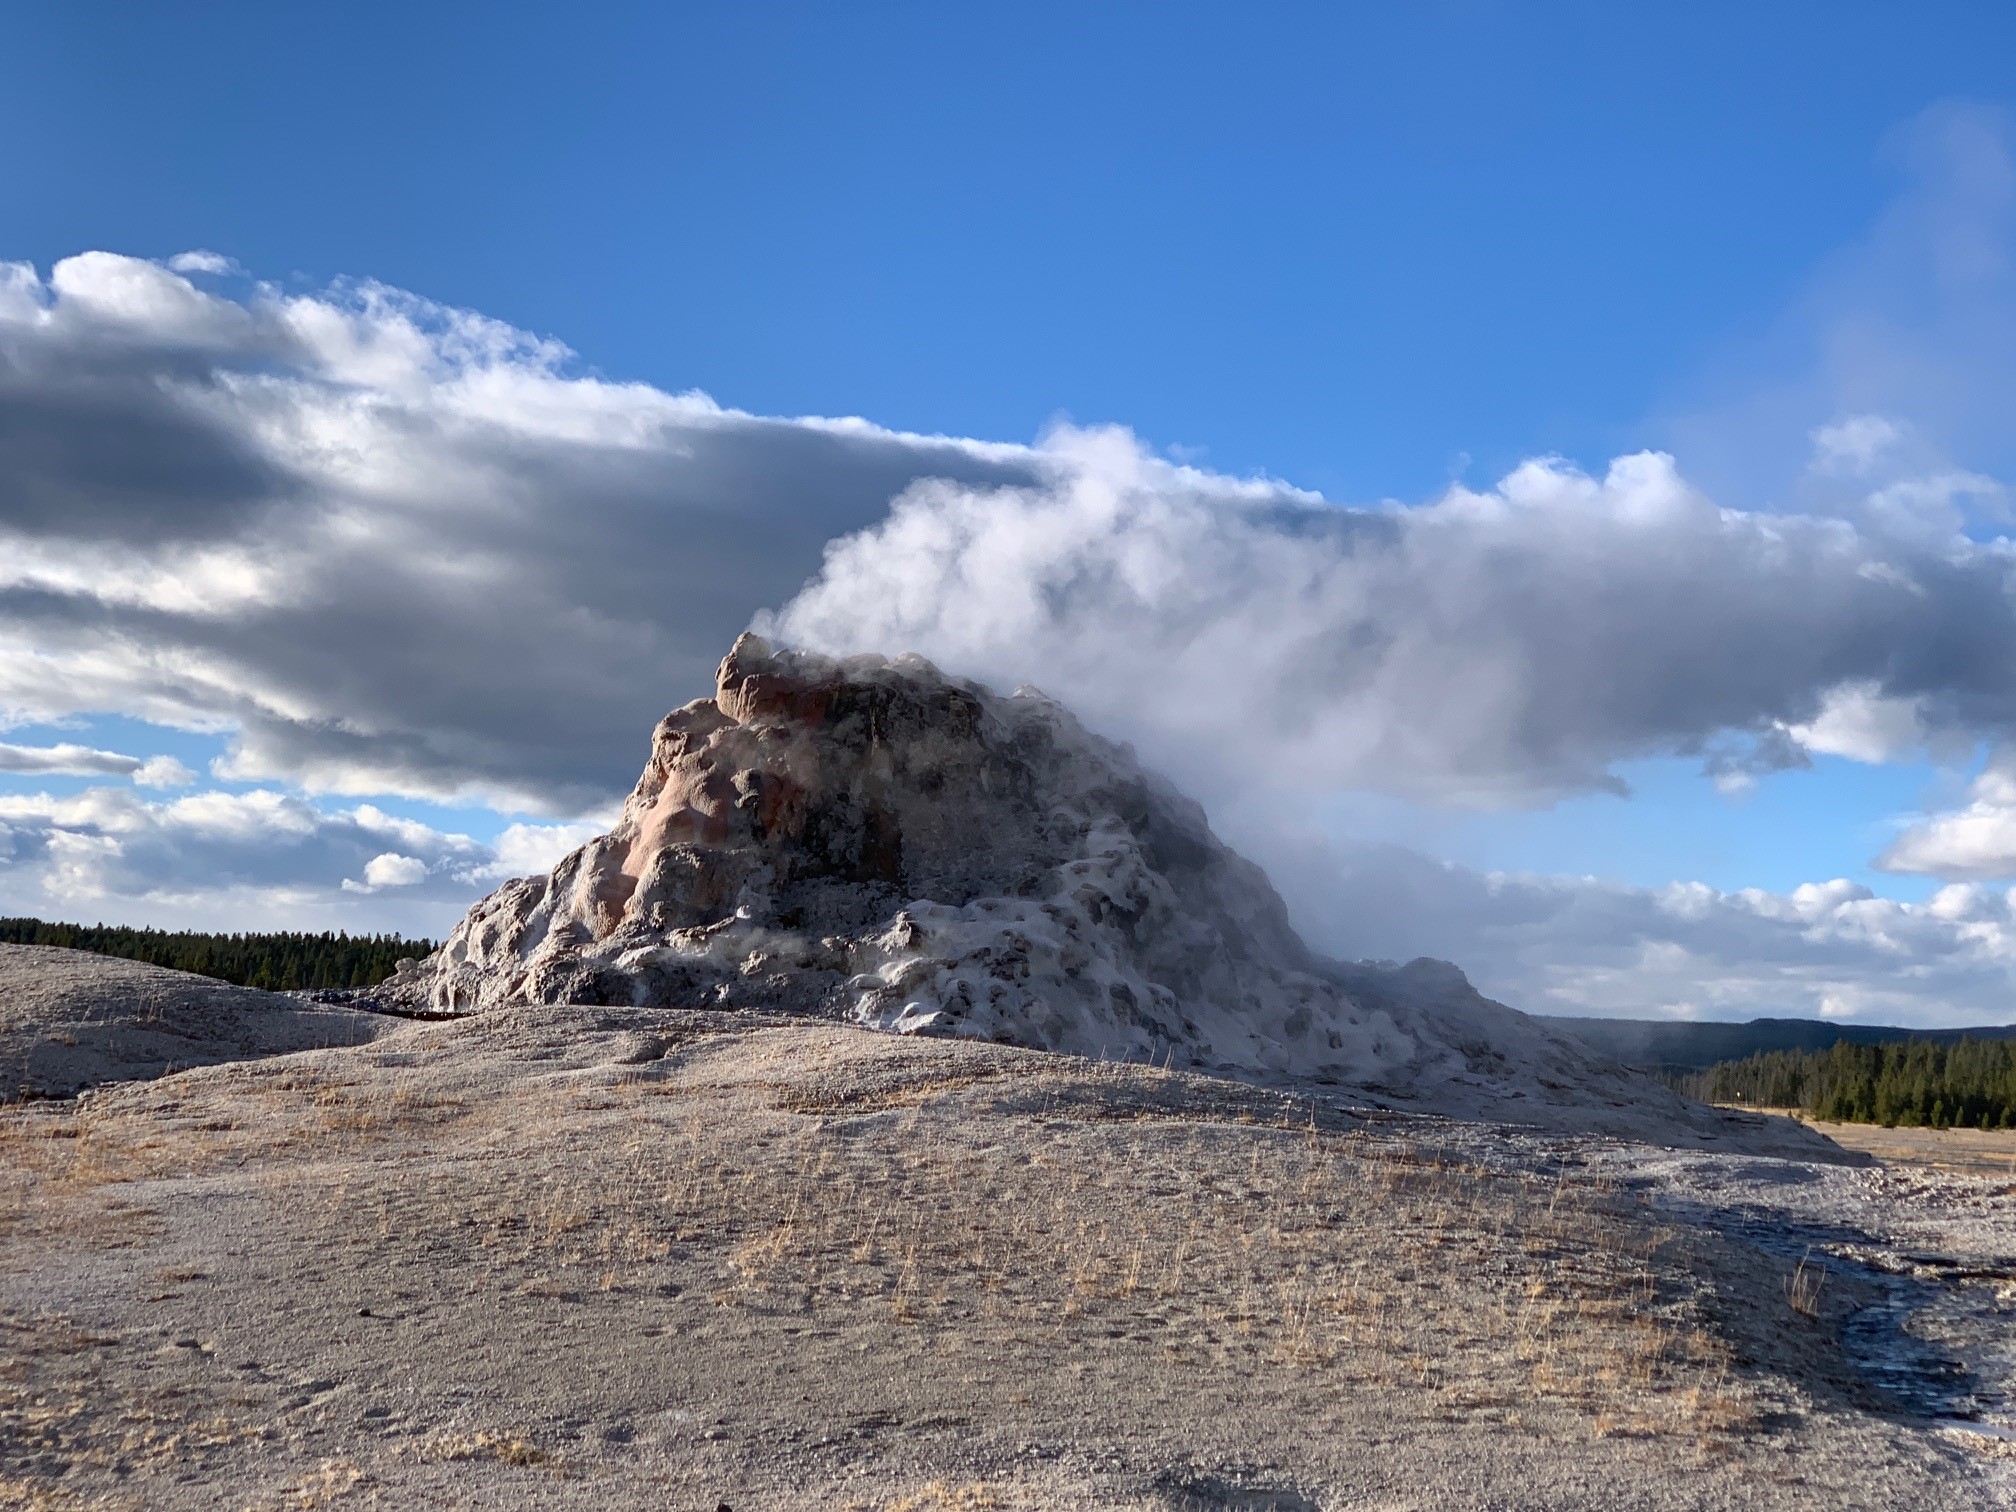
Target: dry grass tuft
<point>940,1496</point>
<point>1805,1285</point>
<point>505,1448</point>
<point>35,1496</point>
<point>331,1481</point>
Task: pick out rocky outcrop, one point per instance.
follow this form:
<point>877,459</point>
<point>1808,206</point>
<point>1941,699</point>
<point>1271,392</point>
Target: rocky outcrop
<point>875,841</point>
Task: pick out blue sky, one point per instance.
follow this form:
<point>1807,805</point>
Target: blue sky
<point>1350,245</point>
<point>1364,252</point>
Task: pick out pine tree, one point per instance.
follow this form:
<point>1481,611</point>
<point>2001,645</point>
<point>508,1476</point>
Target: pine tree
<point>1966,1083</point>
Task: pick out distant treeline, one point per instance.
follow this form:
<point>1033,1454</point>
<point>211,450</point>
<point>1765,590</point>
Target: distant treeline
<point>1965,1083</point>
<point>277,962</point>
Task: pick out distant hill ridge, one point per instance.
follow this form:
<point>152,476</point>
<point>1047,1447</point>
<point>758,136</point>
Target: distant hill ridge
<point>1665,1045</point>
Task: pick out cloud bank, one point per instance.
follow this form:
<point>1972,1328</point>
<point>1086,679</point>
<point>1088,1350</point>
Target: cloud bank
<point>390,548</point>
<point>1578,945</point>
<point>395,548</point>
<point>401,549</point>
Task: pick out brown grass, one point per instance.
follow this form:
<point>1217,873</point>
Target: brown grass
<point>1216,1231</point>
<point>940,1496</point>
<point>1348,1253</point>
<point>1804,1287</point>
<point>505,1448</point>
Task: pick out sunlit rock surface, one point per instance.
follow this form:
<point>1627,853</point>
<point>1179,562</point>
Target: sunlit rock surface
<point>875,841</point>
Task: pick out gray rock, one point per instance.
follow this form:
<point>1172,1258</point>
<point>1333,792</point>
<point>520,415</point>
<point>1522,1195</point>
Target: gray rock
<point>71,1020</point>
<point>878,842</point>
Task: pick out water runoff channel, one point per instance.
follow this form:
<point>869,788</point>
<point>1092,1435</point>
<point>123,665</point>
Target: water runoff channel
<point>1936,1338</point>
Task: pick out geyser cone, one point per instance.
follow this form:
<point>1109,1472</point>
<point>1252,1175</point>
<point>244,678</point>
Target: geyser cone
<point>875,841</point>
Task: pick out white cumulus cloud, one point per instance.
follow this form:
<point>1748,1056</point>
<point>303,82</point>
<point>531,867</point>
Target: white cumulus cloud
<point>200,261</point>
<point>1855,444</point>
<point>525,850</point>
<point>390,869</point>
<point>1858,721</point>
<point>1973,843</point>
<point>252,859</point>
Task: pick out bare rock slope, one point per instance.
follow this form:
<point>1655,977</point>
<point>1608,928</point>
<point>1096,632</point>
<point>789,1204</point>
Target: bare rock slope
<point>71,1020</point>
<point>600,1259</point>
<point>874,841</point>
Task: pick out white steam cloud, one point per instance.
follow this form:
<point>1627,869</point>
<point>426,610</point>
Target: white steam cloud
<point>1502,646</point>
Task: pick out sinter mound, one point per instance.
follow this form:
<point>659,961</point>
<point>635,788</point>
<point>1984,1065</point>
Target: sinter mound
<point>70,1020</point>
<point>874,841</point>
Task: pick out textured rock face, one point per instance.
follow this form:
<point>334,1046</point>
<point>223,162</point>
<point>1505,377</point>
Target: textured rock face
<point>873,840</point>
